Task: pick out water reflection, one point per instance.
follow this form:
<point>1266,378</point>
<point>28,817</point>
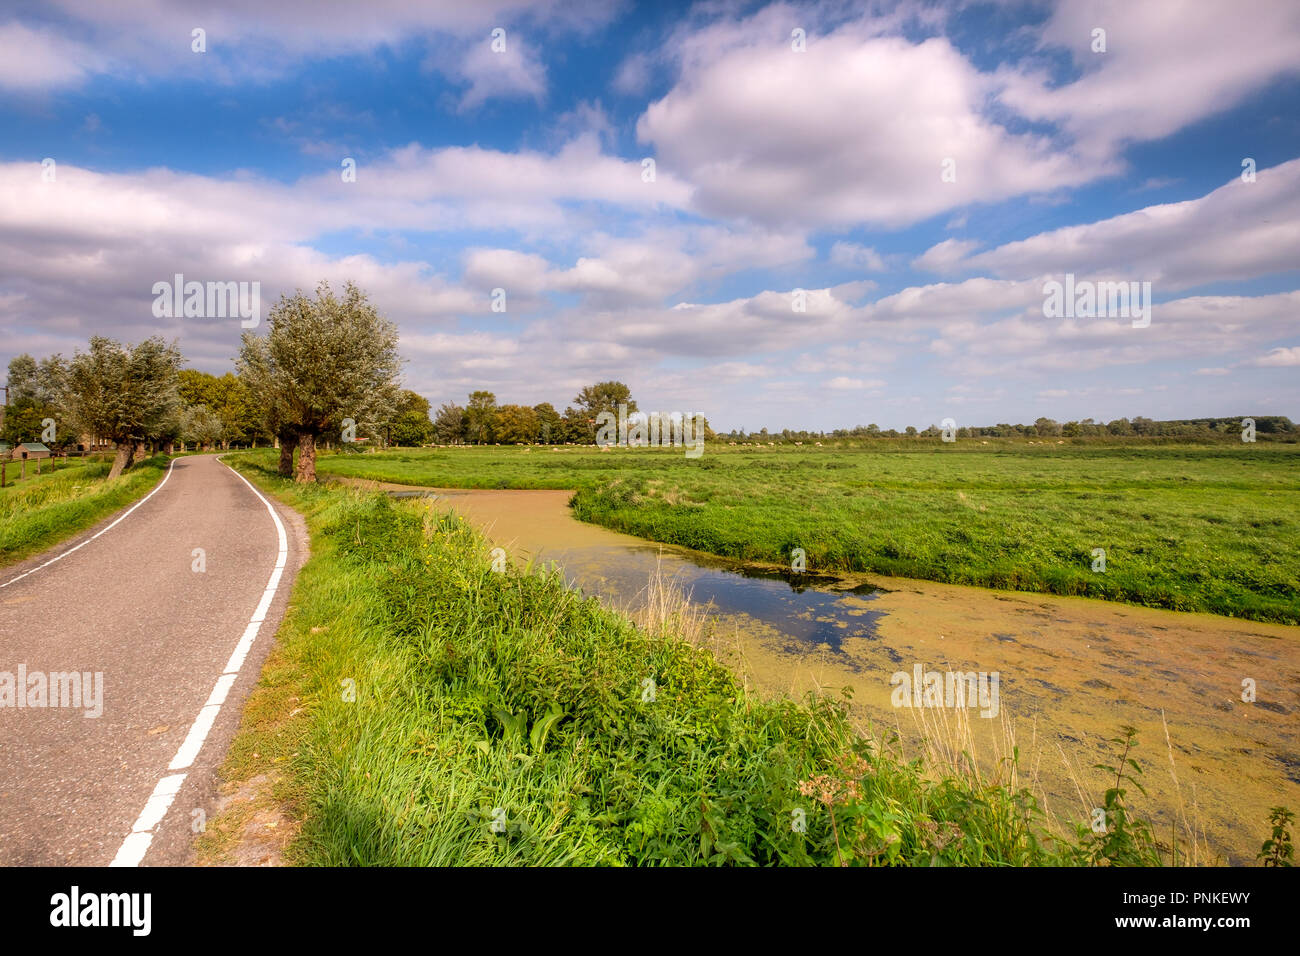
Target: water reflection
<point>807,608</point>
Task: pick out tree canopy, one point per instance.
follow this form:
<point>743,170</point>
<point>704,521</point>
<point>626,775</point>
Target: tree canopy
<point>128,395</point>
<point>323,361</point>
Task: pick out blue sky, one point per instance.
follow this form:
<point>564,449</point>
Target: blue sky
<point>776,169</point>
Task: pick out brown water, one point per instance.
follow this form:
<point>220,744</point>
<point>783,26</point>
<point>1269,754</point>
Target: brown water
<point>1072,671</point>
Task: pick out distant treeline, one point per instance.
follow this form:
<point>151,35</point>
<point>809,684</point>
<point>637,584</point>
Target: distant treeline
<point>1275,427</point>
<point>483,422</point>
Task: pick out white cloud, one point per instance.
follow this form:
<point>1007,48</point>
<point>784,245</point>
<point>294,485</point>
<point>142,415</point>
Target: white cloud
<point>41,59</point>
<point>1238,231</point>
<point>520,272</point>
<point>945,256</point>
<point>513,186</point>
<point>1167,64</point>
<point>854,256</point>
<point>633,74</point>
<point>853,131</point>
<point>256,40</point>
<point>1188,329</point>
<point>410,188</point>
<point>1280,357</point>
<point>843,383</point>
<point>514,72</point>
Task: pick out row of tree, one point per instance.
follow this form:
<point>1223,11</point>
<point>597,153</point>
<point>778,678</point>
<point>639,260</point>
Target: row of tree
<point>1046,428</point>
<point>327,370</point>
<point>109,393</point>
<point>481,421</point>
<point>327,365</point>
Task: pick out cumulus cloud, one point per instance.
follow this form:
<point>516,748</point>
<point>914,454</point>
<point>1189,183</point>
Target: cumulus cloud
<point>80,254</point>
<point>856,256</point>
<point>1239,231</point>
<point>1167,64</point>
<point>510,69</point>
<point>844,383</point>
<point>945,256</point>
<point>1280,358</point>
<point>255,40</point>
<point>37,59</point>
<point>855,130</point>
<point>1188,329</point>
<point>633,74</point>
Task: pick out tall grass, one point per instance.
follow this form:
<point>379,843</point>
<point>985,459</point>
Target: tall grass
<point>446,714</point>
<point>38,513</point>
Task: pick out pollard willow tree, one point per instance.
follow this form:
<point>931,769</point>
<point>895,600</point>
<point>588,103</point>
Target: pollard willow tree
<point>322,361</point>
<point>255,368</point>
<point>127,395</point>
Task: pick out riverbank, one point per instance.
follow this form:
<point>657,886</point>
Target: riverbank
<point>422,708</point>
<point>1072,670</point>
<point>1210,528</point>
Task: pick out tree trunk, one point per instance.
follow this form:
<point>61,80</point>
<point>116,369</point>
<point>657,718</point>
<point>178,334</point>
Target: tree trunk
<point>306,459</point>
<point>285,444</point>
<point>141,452</point>
<point>122,460</point>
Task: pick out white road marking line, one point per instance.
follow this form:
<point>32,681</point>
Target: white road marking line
<point>162,798</point>
<point>137,843</point>
<point>98,533</point>
<point>184,758</point>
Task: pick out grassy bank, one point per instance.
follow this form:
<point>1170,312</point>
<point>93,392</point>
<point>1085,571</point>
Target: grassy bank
<point>420,709</point>
<point>38,513</point>
<point>1210,528</point>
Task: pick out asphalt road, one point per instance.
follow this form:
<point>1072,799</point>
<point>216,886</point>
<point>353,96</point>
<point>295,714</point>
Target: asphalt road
<point>133,605</point>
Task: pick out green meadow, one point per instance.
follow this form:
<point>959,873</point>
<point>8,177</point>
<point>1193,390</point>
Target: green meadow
<point>1213,528</point>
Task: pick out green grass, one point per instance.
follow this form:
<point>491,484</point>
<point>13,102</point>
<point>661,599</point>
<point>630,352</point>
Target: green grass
<point>1213,528</point>
<point>38,513</point>
<point>480,697</point>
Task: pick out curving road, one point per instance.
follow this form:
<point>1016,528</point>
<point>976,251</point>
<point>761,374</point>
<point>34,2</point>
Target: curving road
<point>179,639</point>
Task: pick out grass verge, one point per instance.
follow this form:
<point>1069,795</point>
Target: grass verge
<point>39,513</point>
